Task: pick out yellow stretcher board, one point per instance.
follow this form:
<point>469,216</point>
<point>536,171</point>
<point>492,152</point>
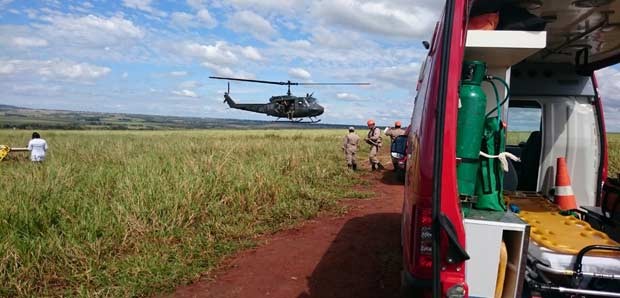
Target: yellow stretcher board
<point>557,232</point>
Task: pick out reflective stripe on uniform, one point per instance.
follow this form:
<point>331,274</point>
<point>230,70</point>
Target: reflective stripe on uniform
<point>563,191</point>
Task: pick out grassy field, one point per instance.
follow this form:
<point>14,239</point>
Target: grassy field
<point>119,213</point>
<point>136,213</point>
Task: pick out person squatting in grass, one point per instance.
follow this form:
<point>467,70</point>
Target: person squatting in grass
<point>374,140</point>
<point>37,147</point>
<point>349,146</point>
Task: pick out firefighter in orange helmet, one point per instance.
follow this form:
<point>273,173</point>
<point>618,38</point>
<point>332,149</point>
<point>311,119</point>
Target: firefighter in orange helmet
<point>395,132</point>
<point>374,140</point>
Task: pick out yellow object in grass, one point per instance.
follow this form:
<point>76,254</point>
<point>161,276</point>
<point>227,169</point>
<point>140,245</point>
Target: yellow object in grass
<point>4,151</point>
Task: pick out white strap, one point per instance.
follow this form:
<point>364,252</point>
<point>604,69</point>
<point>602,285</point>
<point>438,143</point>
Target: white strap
<point>503,158</point>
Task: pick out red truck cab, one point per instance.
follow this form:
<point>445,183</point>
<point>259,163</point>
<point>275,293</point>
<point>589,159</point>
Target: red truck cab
<point>551,80</point>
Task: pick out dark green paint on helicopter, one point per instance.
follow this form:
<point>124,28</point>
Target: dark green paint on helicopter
<point>293,108</point>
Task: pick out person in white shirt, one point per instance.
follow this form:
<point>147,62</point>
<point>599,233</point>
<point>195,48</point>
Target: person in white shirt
<point>37,148</point>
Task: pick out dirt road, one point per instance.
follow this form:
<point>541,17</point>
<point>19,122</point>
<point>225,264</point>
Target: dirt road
<point>353,255</point>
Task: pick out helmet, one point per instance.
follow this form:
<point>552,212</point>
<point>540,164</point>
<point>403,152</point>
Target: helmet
<point>370,122</point>
<point>351,128</point>
<point>397,124</point>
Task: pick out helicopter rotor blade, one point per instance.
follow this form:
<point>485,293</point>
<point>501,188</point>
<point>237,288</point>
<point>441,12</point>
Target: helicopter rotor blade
<point>283,83</point>
<point>358,84</point>
<point>253,81</point>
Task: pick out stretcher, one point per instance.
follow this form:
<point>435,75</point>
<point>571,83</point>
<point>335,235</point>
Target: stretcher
<point>565,254</point>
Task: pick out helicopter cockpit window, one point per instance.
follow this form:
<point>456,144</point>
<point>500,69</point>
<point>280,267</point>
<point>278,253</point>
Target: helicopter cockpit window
<point>311,99</point>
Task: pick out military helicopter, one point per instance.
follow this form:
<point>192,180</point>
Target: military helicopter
<point>293,108</point>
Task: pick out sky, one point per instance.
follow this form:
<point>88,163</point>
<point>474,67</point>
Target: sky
<point>155,56</point>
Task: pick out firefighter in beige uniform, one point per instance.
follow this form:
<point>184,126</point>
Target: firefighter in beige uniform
<point>349,145</point>
<point>374,140</point>
<point>395,132</point>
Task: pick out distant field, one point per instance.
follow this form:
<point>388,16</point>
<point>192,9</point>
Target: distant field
<point>23,118</point>
<point>613,145</point>
<point>118,213</point>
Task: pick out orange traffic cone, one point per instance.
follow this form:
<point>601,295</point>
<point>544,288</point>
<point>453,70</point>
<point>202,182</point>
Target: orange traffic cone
<point>564,196</point>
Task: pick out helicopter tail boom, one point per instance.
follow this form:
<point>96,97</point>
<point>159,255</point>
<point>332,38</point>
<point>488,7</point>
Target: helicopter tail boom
<point>231,103</point>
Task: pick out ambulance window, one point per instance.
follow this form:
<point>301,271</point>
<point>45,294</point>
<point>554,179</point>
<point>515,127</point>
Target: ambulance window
<point>523,120</point>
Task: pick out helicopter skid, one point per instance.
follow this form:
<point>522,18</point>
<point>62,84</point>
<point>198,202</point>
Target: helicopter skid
<point>299,120</point>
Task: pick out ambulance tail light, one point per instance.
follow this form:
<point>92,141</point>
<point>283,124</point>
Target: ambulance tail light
<point>423,242</point>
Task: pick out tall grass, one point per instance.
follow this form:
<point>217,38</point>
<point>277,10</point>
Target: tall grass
<point>613,147</point>
<point>135,213</point>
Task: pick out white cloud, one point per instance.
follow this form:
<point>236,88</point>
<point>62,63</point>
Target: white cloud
<point>186,20</point>
<point>125,75</point>
<point>144,5</point>
<point>218,70</point>
<point>196,4</point>
<point>178,73</point>
<point>299,73</point>
<point>251,53</point>
<point>268,6</point>
<point>218,54</point>
<point>252,23</point>
<point>29,42</point>
<point>347,96</point>
<point>7,68</point>
<point>338,40</point>
<point>36,89</point>
<point>402,76</point>
<point>70,70</point>
<point>185,92</point>
<point>205,18</point>
<point>55,69</point>
<point>182,19</point>
<point>190,85</point>
<point>225,71</point>
<point>396,18</point>
<point>4,3</point>
<point>91,30</point>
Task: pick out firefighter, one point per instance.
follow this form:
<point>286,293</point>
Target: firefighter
<point>374,140</point>
<point>349,146</point>
<point>395,132</point>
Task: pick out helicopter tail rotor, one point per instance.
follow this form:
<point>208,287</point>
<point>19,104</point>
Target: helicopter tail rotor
<point>227,93</point>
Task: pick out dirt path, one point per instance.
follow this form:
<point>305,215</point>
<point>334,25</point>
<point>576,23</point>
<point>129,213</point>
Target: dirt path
<point>353,255</point>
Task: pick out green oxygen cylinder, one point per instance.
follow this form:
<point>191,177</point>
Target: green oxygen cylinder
<point>470,125</point>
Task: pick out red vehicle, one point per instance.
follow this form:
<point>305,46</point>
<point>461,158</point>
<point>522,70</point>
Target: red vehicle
<point>551,87</point>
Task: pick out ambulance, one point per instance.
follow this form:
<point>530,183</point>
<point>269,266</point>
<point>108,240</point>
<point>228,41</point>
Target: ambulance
<point>506,190</point>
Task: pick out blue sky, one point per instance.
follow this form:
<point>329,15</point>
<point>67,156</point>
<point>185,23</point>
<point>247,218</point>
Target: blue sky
<point>155,56</point>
